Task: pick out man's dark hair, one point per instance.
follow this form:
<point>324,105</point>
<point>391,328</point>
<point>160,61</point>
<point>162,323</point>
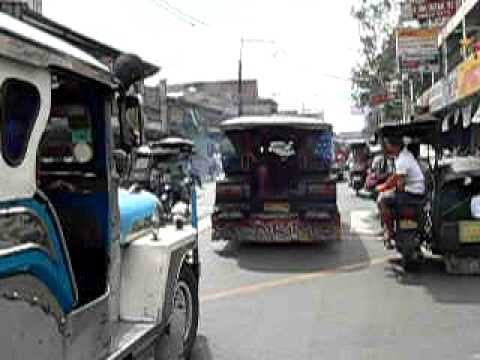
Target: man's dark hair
<point>394,140</point>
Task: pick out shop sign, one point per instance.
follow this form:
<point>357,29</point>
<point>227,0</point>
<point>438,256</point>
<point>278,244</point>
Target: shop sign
<point>437,11</point>
<point>417,50</point>
<point>376,100</point>
<point>468,78</point>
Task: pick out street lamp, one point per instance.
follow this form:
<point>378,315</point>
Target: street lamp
<point>242,41</point>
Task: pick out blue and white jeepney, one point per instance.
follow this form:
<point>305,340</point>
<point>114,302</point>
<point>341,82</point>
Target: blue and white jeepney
<point>85,271</point>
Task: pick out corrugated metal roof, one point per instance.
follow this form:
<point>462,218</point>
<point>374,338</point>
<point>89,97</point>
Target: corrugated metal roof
<point>11,25</point>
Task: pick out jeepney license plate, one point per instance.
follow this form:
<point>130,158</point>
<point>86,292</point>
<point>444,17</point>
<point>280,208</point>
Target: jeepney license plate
<point>283,207</point>
<point>408,225</point>
<point>357,178</point>
<point>469,232</point>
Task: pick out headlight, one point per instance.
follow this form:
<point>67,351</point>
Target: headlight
<point>475,206</point>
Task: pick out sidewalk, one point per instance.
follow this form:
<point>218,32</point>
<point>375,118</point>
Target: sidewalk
<point>205,200</point>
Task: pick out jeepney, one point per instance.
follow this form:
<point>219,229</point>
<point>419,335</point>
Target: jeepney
<point>278,185</point>
<point>164,168</point>
<point>85,270</point>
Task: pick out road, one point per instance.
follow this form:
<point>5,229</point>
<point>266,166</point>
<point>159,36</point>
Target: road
<point>344,300</point>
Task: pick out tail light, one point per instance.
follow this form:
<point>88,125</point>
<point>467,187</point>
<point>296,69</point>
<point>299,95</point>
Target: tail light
<point>408,213</point>
<point>232,191</point>
<point>322,189</point>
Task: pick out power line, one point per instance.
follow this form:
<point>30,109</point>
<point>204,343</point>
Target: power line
<point>179,17</point>
<point>183,13</point>
<point>177,13</point>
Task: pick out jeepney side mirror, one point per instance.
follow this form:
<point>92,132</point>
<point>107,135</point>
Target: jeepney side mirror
<point>128,70</point>
<point>134,118</point>
<point>120,159</point>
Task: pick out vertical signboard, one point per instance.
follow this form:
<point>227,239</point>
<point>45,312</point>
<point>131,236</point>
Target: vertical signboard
<point>417,50</point>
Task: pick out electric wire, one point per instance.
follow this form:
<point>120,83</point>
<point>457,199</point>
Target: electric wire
<point>183,13</point>
<point>177,13</point>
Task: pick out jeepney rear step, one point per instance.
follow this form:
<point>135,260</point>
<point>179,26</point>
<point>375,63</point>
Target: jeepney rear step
<point>130,338</point>
<point>462,265</point>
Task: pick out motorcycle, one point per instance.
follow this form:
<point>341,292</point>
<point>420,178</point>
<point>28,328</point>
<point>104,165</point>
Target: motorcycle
<point>357,177</point>
<point>410,230</point>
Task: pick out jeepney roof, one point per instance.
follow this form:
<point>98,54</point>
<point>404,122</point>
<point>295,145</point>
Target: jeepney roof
<point>251,122</point>
<point>356,142</point>
<point>146,150</point>
<point>459,167</point>
<point>173,141</point>
<point>39,48</point>
<point>420,127</point>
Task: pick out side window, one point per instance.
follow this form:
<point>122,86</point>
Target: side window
<point>21,226</point>
<point>68,138</point>
<point>20,103</point>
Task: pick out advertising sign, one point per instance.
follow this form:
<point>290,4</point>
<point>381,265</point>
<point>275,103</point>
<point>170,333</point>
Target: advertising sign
<point>437,11</point>
<point>468,78</point>
<point>417,50</point>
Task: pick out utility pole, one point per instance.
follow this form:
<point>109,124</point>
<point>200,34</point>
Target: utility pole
<point>240,100</point>
<point>240,85</point>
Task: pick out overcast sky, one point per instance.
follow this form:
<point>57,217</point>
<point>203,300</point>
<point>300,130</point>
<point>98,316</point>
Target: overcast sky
<point>315,44</point>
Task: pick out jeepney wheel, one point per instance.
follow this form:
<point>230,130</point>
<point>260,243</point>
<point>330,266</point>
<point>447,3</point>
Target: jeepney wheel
<point>184,319</point>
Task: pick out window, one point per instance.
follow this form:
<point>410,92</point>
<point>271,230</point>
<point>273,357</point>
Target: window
<point>282,148</point>
<point>21,226</point>
<point>20,103</point>
<point>69,135</point>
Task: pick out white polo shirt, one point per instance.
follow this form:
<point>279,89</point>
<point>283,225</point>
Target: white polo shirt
<point>406,165</point>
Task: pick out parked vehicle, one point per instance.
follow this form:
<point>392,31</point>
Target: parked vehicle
<point>339,165</point>
<point>278,186</point>
<point>447,221</point>
<point>164,168</point>
<point>85,272</point>
<point>357,164</point>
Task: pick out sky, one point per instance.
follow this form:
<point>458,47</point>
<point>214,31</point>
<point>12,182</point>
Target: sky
<point>304,60</point>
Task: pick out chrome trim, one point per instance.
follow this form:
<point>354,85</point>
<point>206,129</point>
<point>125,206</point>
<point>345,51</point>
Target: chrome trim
<point>57,224</point>
<point>92,303</point>
<point>19,210</point>
<point>19,248</point>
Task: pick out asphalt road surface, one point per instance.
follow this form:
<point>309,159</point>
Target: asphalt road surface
<point>344,300</point>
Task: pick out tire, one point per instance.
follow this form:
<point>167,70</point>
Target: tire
<point>410,263</point>
<point>173,346</point>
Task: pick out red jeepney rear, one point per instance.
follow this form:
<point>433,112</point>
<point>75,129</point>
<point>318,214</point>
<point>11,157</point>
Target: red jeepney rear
<point>278,186</point>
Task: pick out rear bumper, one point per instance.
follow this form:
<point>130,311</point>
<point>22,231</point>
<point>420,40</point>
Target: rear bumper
<point>286,228</point>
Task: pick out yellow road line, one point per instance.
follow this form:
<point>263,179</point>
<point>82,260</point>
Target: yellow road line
<point>293,279</point>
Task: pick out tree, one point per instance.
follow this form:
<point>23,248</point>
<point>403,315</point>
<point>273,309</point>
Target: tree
<point>377,21</point>
<point>372,75</point>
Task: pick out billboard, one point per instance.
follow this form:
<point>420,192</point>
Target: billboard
<point>436,11</point>
<point>417,50</point>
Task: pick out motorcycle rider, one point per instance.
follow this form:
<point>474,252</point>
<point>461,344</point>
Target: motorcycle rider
<point>405,183</point>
